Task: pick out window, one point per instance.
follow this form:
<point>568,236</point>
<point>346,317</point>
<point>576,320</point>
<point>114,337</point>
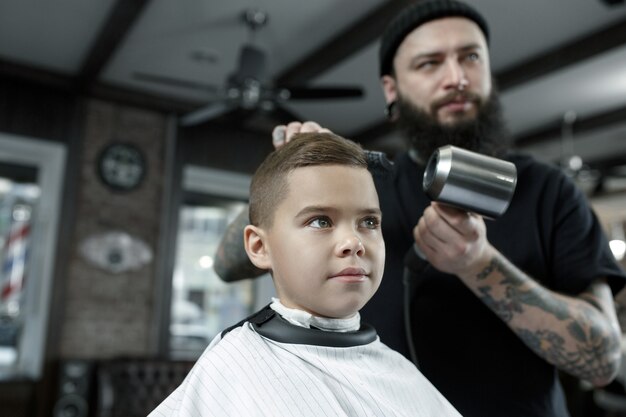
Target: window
<point>202,305</point>
<point>31,173</point>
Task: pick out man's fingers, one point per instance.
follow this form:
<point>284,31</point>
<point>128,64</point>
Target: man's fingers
<point>306,127</point>
<point>458,219</point>
<point>311,127</point>
<point>284,133</point>
<point>448,211</point>
<point>292,129</point>
<point>279,136</point>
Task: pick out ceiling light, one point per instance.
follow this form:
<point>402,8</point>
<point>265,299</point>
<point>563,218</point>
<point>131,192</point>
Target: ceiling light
<point>205,262</point>
<point>618,247</point>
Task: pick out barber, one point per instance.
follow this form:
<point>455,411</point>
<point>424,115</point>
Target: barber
<point>507,302</point>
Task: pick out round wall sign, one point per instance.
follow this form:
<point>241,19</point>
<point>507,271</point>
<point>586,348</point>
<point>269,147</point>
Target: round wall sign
<point>122,166</point>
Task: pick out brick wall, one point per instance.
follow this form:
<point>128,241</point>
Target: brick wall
<point>109,314</point>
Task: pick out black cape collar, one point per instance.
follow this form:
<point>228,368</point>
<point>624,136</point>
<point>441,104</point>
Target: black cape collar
<point>271,325</point>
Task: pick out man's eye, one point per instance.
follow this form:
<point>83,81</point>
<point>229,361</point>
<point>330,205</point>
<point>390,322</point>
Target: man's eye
<point>426,64</point>
<point>370,223</point>
<point>472,57</point>
<point>320,223</point>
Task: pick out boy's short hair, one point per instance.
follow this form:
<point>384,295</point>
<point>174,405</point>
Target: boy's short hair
<point>269,183</point>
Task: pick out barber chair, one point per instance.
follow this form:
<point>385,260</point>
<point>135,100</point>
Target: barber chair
<point>134,387</point>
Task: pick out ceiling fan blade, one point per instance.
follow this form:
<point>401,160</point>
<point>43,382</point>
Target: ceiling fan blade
<point>174,82</point>
<point>313,93</point>
<point>205,113</point>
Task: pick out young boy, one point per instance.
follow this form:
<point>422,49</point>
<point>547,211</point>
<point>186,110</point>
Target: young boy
<point>315,224</point>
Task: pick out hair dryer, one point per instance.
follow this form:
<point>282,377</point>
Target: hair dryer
<point>467,180</point>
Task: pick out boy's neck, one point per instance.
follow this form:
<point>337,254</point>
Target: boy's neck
<point>304,319</point>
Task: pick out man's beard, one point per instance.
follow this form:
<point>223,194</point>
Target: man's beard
<point>486,133</point>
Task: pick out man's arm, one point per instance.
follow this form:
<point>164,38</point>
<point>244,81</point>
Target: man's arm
<point>579,335</point>
<point>231,260</point>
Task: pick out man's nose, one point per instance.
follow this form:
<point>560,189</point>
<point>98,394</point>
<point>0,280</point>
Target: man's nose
<point>455,77</point>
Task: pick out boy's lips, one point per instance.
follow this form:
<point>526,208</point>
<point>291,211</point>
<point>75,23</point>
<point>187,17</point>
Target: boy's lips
<point>351,274</point>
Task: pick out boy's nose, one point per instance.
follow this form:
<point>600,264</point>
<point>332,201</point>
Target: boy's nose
<point>351,245</point>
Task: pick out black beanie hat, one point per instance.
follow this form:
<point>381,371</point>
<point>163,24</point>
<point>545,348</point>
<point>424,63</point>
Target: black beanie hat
<point>413,16</point>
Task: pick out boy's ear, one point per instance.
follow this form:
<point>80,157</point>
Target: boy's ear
<point>256,247</point>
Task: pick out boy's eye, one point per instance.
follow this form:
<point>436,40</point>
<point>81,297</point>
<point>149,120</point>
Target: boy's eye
<point>320,223</point>
<point>370,222</point>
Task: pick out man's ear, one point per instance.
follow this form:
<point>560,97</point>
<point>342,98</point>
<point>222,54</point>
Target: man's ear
<point>254,240</point>
<point>389,88</point>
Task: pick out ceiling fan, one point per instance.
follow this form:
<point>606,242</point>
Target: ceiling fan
<point>594,181</point>
<point>247,87</point>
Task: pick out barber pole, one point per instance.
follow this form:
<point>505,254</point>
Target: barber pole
<point>14,265</point>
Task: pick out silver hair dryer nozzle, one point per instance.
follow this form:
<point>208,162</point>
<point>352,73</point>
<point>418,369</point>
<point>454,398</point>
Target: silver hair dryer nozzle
<point>470,181</point>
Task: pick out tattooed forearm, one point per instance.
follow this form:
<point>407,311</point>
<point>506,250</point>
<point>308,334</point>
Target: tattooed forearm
<point>587,362</point>
<point>231,260</point>
<point>571,333</point>
<point>493,265</point>
<point>504,308</point>
<point>518,290</point>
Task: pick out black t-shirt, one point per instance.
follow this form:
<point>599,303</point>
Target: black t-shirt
<point>467,351</point>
